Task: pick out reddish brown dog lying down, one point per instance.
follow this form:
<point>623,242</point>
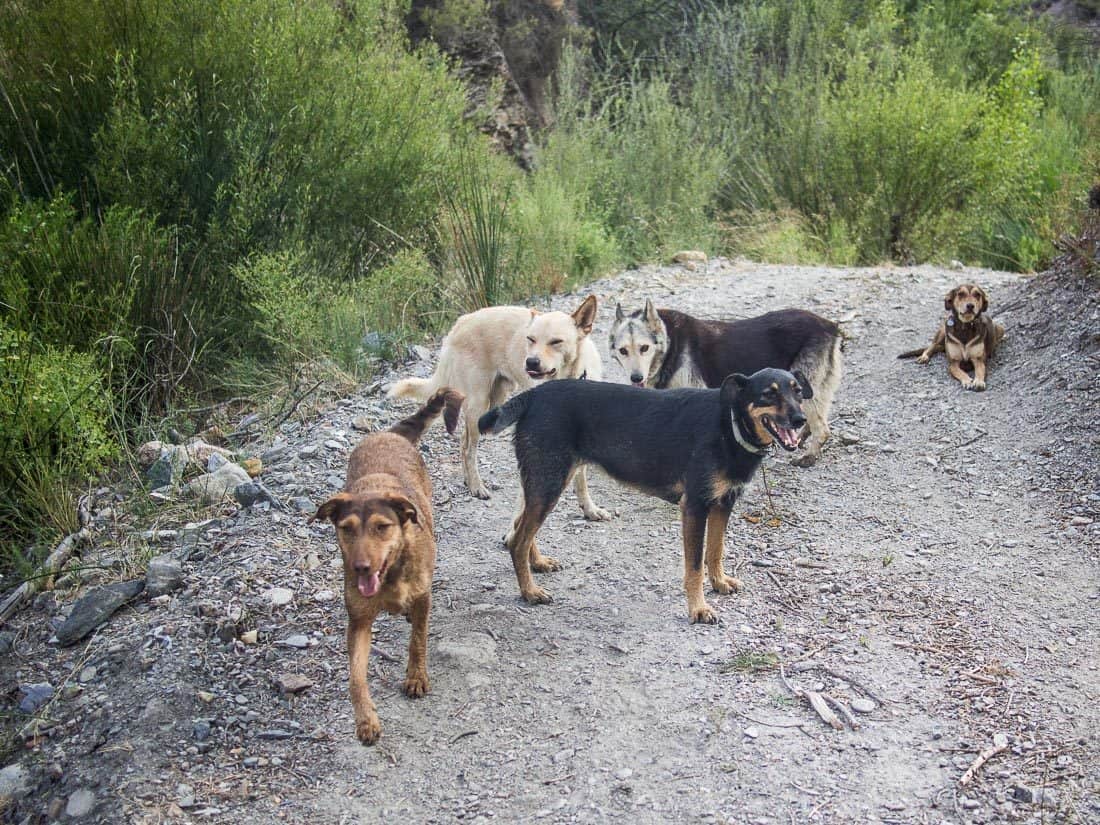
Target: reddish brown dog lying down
<point>383,522</point>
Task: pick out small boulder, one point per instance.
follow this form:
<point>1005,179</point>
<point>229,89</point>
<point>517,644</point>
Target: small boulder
<point>80,804</point>
<point>213,487</point>
<point>253,466</point>
<point>690,256</point>
<point>163,575</point>
<point>95,608</point>
<point>291,683</point>
<point>199,451</point>
<point>35,696</point>
<point>14,784</point>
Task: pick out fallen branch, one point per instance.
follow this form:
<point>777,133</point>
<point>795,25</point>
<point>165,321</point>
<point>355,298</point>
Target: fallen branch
<point>843,708</point>
<point>815,699</point>
<point>1000,745</point>
<point>44,576</point>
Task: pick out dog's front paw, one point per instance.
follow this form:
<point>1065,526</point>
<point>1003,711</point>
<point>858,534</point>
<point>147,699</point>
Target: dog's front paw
<point>977,386</point>
<point>368,729</point>
<point>595,513</point>
<point>923,359</point>
<point>967,384</point>
<point>536,595</point>
<point>481,492</point>
<point>726,585</point>
<point>417,684</point>
<point>702,614</point>
<point>808,459</point>
<point>546,564</point>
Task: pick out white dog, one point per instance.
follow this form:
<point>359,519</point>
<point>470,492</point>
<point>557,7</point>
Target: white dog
<point>490,353</point>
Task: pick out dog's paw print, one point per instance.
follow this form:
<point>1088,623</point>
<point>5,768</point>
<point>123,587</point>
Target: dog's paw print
<point>417,685</point>
<point>368,730</point>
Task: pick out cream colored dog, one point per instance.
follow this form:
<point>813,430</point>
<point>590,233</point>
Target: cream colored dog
<point>490,353</point>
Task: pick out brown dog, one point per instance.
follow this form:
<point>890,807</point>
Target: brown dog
<point>383,522</point>
<point>966,335</point>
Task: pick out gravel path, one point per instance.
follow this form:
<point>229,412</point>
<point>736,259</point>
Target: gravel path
<point>937,569</point>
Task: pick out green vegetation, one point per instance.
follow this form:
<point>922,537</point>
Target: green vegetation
<point>196,198</point>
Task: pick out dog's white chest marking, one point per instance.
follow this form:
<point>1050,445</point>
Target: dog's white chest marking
<point>686,375</point>
<point>958,351</point>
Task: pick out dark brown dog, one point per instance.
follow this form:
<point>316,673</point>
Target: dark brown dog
<point>966,335</point>
<point>383,522</point>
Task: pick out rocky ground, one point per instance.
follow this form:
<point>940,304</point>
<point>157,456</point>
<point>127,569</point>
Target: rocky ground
<point>937,572</point>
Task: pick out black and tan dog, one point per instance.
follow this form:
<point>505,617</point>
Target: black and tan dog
<point>966,335</point>
<point>383,522</point>
<point>666,349</point>
<point>696,448</point>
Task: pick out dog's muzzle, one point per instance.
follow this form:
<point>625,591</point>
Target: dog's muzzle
<point>534,369</point>
<point>786,434</point>
<point>637,379</point>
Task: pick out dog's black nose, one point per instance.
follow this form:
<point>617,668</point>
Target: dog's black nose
<point>362,567</point>
<point>534,364</point>
<point>798,420</point>
<point>637,377</point>
<point>969,307</point>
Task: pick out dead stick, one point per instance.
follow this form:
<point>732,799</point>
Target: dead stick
<point>557,779</point>
<point>463,735</point>
<point>983,757</point>
<point>815,700</point>
<point>847,714</point>
<point>54,562</point>
<point>380,653</point>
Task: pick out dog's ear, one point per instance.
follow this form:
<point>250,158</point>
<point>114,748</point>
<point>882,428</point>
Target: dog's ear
<point>949,299</point>
<point>405,509</point>
<point>731,386</point>
<point>804,382</point>
<point>984,297</point>
<point>585,315</point>
<point>652,319</point>
<point>619,314</point>
<point>332,510</point>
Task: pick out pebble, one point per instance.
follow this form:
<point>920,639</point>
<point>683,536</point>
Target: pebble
<point>291,683</point>
<point>297,641</point>
<point>303,504</point>
<point>13,782</point>
<point>362,424</point>
<point>280,596</point>
<point>861,705</point>
<point>35,696</point>
<point>250,637</point>
<point>308,451</point>
<point>334,445</point>
<point>200,729</point>
<point>324,596</point>
<point>87,674</point>
<point>80,804</point>
<point>623,774</point>
<point>253,466</point>
<point>752,732</point>
<point>185,796</point>
<point>423,353</point>
<point>1080,521</point>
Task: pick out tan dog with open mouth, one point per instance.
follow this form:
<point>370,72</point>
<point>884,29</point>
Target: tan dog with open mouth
<point>493,352</point>
<point>966,335</point>
<point>384,528</point>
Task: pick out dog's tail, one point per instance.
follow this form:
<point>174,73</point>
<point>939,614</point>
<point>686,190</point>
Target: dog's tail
<point>419,388</point>
<point>445,400</point>
<point>911,353</point>
<point>501,418</point>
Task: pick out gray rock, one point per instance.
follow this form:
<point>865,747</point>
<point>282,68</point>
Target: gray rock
<point>423,353</point>
<point>290,683</point>
<point>308,451</point>
<point>861,705</point>
<point>213,487</point>
<point>168,469</point>
<point>87,674</point>
<point>251,492</point>
<point>303,505</point>
<point>200,729</point>
<point>95,608</point>
<point>13,783</point>
<point>363,424</point>
<point>215,461</point>
<point>334,445</point>
<point>297,641</point>
<point>7,641</point>
<point>80,804</point>
<point>35,696</point>
<point>279,596</point>
<point>185,796</point>
<point>275,733</point>
<point>1045,797</point>
<point>274,455</point>
<point>163,575</point>
<point>251,761</point>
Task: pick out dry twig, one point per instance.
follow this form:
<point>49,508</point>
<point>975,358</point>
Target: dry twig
<point>1000,744</point>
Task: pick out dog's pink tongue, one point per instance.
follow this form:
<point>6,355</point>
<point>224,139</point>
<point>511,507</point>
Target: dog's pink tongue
<point>368,585</point>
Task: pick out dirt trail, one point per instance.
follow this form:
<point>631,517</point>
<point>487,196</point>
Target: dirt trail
<point>928,564</point>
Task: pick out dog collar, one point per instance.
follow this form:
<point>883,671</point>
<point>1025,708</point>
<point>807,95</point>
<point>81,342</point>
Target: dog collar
<point>583,375</point>
<point>744,442</point>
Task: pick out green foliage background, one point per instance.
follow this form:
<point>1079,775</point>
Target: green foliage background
<point>197,197</point>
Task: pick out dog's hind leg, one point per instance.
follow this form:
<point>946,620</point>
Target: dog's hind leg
<point>416,673</point>
<point>693,521</point>
<point>367,726</point>
<point>475,407</point>
<point>717,519</point>
<point>523,542</point>
<point>588,507</point>
<point>541,491</point>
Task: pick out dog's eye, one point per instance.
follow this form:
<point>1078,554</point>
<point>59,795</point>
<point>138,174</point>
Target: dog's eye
<point>622,351</point>
<point>555,341</point>
<point>644,348</point>
<point>530,340</point>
